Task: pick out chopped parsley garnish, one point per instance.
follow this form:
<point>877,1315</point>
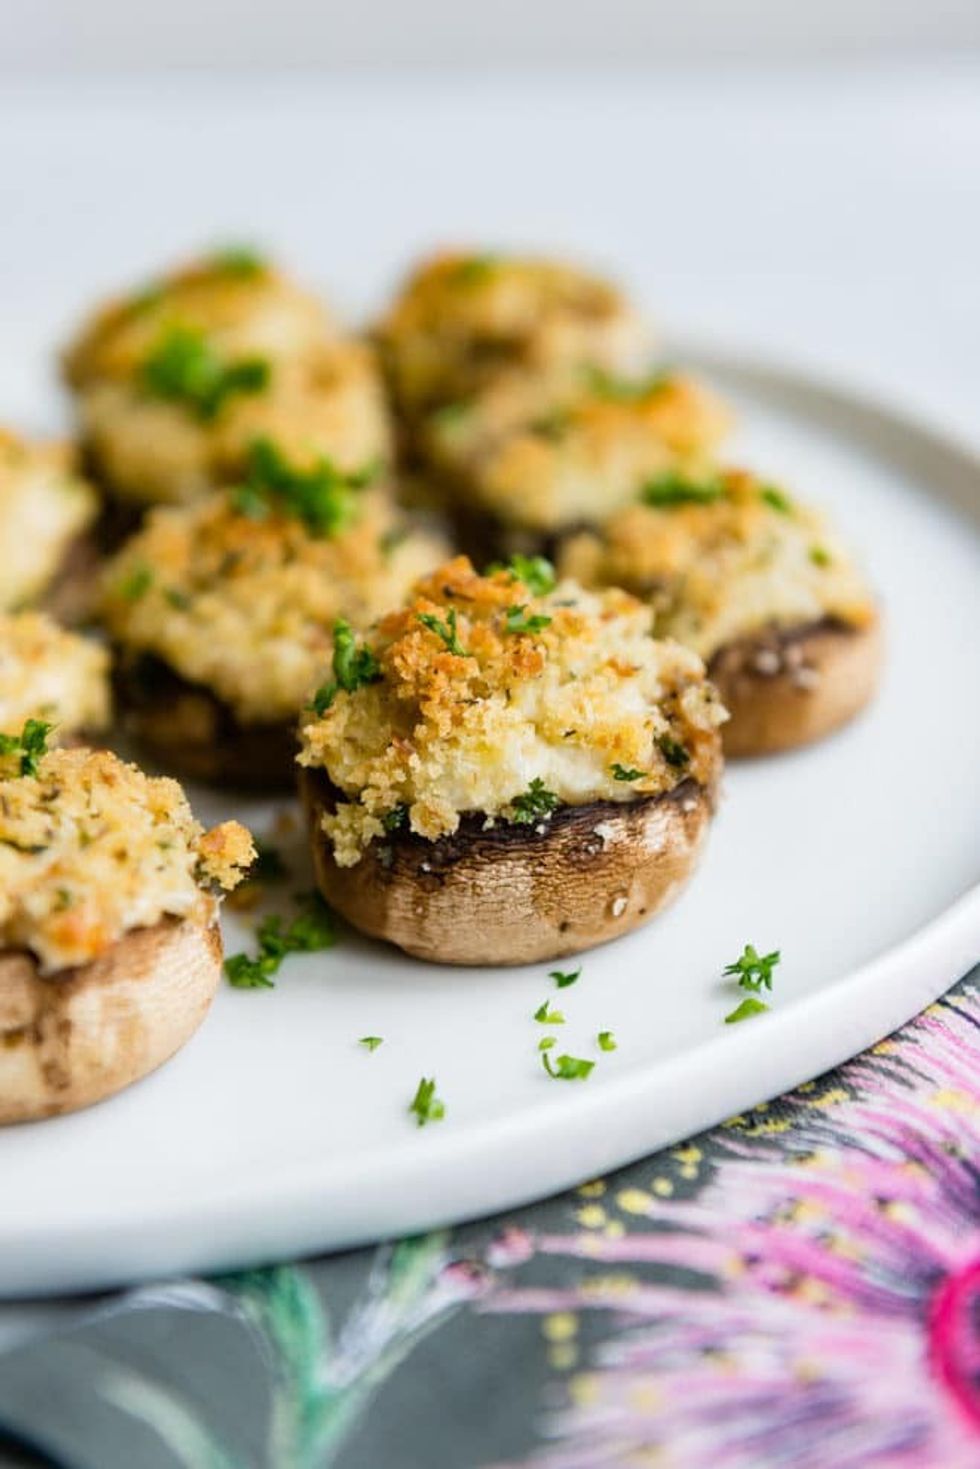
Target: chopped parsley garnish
<point>753,970</point>
<point>536,572</point>
<point>606,1040</point>
<point>544,1016</point>
<point>563,978</point>
<point>395,819</point>
<point>184,368</point>
<point>552,426</point>
<point>451,414</point>
<point>673,751</point>
<point>475,269</point>
<point>371,1042</point>
<point>776,499</point>
<point>625,389</point>
<point>674,488</point>
<point>749,1007</point>
<point>445,630</point>
<point>322,497</point>
<point>546,1042</point>
<point>536,804</point>
<point>426,1106</point>
<point>518,620</point>
<point>238,260</point>
<point>820,556</point>
<point>309,932</point>
<point>623,772</point>
<point>178,599</point>
<point>29,745</point>
<point>136,583</point>
<point>567,1068</point>
<point>353,667</point>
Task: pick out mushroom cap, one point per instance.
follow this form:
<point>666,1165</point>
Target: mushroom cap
<point>787,688</point>
<point>195,734</point>
<point>510,894</point>
<point>75,1037</point>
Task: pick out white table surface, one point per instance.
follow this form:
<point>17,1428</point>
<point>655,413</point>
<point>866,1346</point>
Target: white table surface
<point>832,216</point>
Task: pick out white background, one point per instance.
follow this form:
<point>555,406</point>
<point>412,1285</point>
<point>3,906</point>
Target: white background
<point>111,34</point>
<point>828,212</point>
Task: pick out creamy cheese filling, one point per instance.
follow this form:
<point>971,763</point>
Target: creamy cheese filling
<point>91,848</point>
<point>246,606</point>
<point>489,695</point>
<point>715,572</point>
<point>49,674</point>
<point>43,507</point>
<point>330,405</point>
<point>460,319</point>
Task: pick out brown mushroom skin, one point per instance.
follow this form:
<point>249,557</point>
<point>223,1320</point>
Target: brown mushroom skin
<point>72,1038</point>
<point>193,733</point>
<point>787,688</point>
<point>517,894</point>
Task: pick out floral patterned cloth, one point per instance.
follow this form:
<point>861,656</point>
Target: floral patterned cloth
<point>799,1287</point>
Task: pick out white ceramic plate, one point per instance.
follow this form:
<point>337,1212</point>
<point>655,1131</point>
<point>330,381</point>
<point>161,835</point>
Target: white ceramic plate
<point>275,1134</point>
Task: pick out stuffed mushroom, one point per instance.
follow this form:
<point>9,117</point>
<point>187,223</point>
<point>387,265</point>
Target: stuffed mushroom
<point>461,320</point>
<point>174,385</point>
<point>51,678</point>
<point>518,480</point>
<point>110,952</point>
<point>506,770</point>
<point>46,511</point>
<point>760,587</point>
<point>222,612</point>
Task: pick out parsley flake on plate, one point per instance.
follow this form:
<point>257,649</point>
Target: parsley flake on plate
<point>544,1016</point>
<point>563,978</point>
<point>606,1041</point>
<point>749,1007</point>
<point>310,931</point>
<point>425,1105</point>
<point>371,1042</point>
<point>567,1068</point>
<point>753,970</point>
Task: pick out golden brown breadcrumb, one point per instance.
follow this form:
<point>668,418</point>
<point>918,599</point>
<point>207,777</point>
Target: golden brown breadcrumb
<point>748,557</point>
<point>49,674</point>
<point>91,848</point>
<point>246,606</point>
<point>486,691</point>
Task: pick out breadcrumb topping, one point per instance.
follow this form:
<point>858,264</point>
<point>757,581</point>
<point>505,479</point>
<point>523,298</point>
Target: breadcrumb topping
<point>91,848</point>
<point>486,692</point>
<point>330,402</point>
<point>246,606</point>
<point>43,507</point>
<point>714,572</point>
<point>460,319</point>
<point>582,457</point>
<point>243,312</point>
<point>49,674</point>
